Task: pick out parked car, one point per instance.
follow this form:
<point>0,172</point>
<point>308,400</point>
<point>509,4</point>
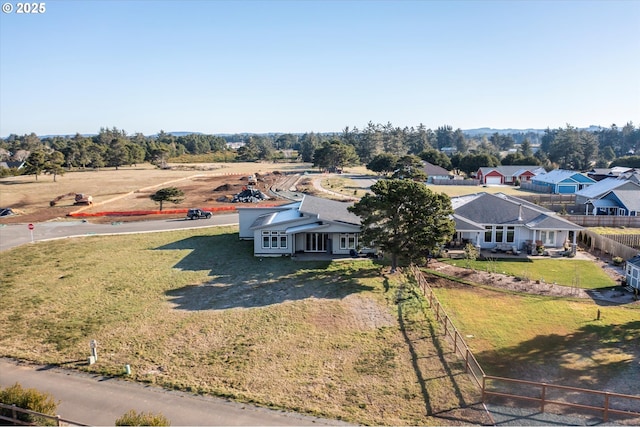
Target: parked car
<point>198,213</point>
<point>6,211</point>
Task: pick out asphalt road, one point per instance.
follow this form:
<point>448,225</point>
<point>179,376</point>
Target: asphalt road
<point>13,235</point>
<point>96,400</point>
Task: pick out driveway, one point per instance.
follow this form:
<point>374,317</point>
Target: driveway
<point>96,400</point>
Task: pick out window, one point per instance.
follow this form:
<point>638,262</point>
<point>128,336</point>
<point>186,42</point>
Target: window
<point>274,239</point>
<point>488,231</point>
<point>511,234</point>
<point>499,234</point>
<point>347,241</point>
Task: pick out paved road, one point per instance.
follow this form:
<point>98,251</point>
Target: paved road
<point>13,235</point>
<point>96,400</point>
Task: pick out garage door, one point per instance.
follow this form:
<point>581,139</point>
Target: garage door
<point>493,180</point>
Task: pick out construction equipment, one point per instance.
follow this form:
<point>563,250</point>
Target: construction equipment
<point>79,199</point>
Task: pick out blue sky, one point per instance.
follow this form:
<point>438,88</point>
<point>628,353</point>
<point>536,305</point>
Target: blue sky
<point>302,66</point>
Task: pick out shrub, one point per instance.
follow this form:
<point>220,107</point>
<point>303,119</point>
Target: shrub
<point>30,399</point>
<point>133,418</point>
<point>617,260</point>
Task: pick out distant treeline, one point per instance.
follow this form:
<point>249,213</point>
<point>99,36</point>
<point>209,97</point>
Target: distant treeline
<point>568,148</point>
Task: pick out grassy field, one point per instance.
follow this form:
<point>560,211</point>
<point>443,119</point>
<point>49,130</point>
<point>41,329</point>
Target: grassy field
<point>548,339</point>
<point>194,310</point>
<point>567,272</point>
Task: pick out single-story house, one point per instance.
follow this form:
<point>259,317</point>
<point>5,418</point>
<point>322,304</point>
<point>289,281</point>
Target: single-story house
<point>633,272</point>
<point>601,188</point>
<point>622,201</point>
<point>435,172</point>
<point>498,220</point>
<point>11,165</point>
<point>562,181</point>
<point>510,174</point>
<point>599,174</point>
<point>312,225</point>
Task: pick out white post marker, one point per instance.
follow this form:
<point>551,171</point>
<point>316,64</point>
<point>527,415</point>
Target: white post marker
<point>31,227</point>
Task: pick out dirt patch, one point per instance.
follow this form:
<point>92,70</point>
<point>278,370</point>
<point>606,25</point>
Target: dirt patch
<point>206,192</point>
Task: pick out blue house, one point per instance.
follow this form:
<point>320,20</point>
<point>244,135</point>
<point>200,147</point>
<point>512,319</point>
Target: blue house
<point>562,181</point>
<point>620,202</point>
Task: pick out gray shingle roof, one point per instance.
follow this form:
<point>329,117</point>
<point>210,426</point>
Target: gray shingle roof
<point>601,187</point>
<point>489,209</point>
<point>328,210</point>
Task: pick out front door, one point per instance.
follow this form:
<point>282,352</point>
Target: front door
<point>316,242</point>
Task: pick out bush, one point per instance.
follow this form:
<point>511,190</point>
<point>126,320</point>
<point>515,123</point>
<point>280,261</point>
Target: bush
<point>133,418</point>
<point>617,261</point>
<point>30,399</point>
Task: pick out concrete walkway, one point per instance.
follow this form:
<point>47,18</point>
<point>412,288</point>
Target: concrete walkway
<point>96,400</point>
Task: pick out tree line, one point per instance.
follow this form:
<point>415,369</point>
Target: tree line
<point>568,148</point>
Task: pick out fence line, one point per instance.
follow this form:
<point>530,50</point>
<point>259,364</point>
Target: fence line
<point>14,417</point>
<point>594,241</point>
<point>437,181</point>
<point>535,187</point>
<point>631,240</point>
<point>485,382</point>
<point>604,220</point>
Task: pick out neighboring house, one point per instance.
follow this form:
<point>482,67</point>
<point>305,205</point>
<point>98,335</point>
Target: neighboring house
<point>601,188</point>
<point>11,165</point>
<point>633,272</point>
<point>509,175</point>
<point>498,220</point>
<point>599,174</point>
<point>562,181</point>
<point>622,201</point>
<point>435,172</point>
<point>312,225</point>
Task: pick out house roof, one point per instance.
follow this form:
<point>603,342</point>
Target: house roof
<point>629,198</point>
<point>634,261</point>
<point>513,170</point>
<point>601,187</point>
<point>560,175</point>
<point>311,208</point>
<point>501,209</point>
<point>434,170</point>
<point>328,210</point>
<point>463,224</point>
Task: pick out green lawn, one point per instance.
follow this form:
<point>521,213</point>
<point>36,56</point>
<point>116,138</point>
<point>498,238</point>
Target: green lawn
<point>544,338</point>
<point>567,272</point>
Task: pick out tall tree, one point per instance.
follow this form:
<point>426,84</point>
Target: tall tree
<point>308,144</point>
<point>334,155</point>
<point>410,167</point>
<point>405,219</point>
<point>383,163</point>
<point>53,165</point>
<point>35,163</point>
<point>168,194</point>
